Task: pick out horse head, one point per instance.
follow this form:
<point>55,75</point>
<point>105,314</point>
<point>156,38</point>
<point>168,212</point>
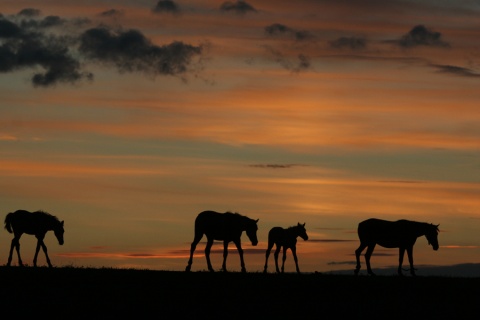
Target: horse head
<point>251,230</point>
<point>58,230</point>
<point>302,232</point>
<point>432,236</point>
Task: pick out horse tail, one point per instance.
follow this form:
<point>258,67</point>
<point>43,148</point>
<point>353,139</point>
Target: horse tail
<point>8,224</point>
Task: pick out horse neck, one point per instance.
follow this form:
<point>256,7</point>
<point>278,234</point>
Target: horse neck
<point>50,223</point>
<point>421,228</point>
<point>293,232</point>
<point>244,222</point>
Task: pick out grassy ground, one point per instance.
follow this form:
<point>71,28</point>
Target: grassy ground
<point>87,293</point>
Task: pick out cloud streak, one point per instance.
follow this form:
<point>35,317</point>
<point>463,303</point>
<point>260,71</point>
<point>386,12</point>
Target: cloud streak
<point>456,71</point>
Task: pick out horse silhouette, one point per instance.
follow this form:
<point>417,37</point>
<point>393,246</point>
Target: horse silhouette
<point>36,223</point>
<point>286,239</point>
<point>400,234</point>
<point>226,226</point>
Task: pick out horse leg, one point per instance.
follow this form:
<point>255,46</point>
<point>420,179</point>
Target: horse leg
<point>275,254</point>
<point>410,260</point>
<point>207,254</point>
<point>240,253</point>
<point>294,253</point>
<point>196,240</point>
<point>368,254</point>
<point>37,249</point>
<point>225,254</point>
<point>267,254</point>
<point>44,247</point>
<point>401,253</point>
<point>284,258</point>
<point>358,252</point>
<point>15,245</point>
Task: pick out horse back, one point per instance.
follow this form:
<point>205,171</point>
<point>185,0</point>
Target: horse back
<point>24,221</point>
<point>389,234</point>
<point>281,237</point>
<point>219,226</point>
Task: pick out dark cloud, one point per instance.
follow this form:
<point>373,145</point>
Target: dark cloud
<point>29,12</point>
<point>23,48</point>
<point>47,22</point>
<point>457,71</point>
<point>166,6</point>
<point>131,51</point>
<point>58,55</point>
<point>111,13</point>
<point>421,36</point>
<point>278,29</point>
<point>238,7</point>
<point>352,43</point>
<point>9,29</point>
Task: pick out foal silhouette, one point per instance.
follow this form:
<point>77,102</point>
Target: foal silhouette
<point>222,226</point>
<point>400,234</point>
<point>286,238</point>
<point>36,223</point>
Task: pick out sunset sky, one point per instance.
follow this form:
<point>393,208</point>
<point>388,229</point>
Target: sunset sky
<point>127,118</point>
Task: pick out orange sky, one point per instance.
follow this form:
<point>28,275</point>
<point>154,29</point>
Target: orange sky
<point>285,112</point>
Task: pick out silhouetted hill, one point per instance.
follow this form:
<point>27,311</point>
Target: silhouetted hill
<point>471,270</point>
<point>87,293</point>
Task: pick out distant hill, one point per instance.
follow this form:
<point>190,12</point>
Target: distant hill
<point>457,270</point>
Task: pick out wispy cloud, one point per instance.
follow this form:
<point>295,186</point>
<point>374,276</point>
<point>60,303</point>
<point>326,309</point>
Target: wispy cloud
<point>297,64</point>
<point>352,43</point>
<point>111,13</point>
<point>275,166</point>
<point>334,263</point>
<point>456,71</point>
<point>460,247</point>
<point>281,30</point>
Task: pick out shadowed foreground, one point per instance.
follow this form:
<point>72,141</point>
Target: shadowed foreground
<point>74,293</point>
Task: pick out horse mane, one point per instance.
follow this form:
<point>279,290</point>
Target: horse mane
<point>47,215</point>
<point>238,216</point>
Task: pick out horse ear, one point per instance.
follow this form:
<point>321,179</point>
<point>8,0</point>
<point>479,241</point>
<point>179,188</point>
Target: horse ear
<point>256,220</point>
<point>304,224</point>
<point>62,223</point>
